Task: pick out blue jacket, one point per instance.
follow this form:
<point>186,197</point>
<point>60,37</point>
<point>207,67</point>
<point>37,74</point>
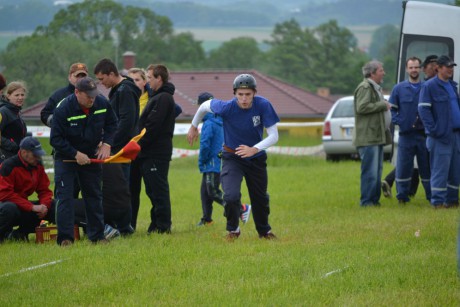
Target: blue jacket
<point>404,108</point>
<point>46,114</point>
<point>212,138</point>
<point>435,109</point>
<point>72,130</point>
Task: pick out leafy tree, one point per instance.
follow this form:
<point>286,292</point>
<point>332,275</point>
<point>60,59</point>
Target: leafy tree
<point>384,47</point>
<point>293,53</point>
<point>44,62</point>
<point>88,31</point>
<point>241,52</point>
<point>310,58</point>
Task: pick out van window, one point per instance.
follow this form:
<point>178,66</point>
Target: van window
<point>421,46</point>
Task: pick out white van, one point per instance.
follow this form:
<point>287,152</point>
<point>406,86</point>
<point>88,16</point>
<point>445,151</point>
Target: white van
<point>429,28</point>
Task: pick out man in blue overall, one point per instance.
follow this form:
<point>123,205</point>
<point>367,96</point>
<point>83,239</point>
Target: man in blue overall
<point>244,119</point>
<point>412,141</point>
<point>439,110</point>
<point>83,127</point>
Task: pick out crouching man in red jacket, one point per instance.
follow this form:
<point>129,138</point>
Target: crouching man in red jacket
<point>20,177</point>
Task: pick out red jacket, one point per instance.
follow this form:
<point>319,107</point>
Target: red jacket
<point>19,180</point>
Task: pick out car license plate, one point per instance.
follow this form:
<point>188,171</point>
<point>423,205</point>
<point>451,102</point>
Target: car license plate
<point>348,132</point>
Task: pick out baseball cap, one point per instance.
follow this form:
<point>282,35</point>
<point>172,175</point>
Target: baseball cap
<point>204,96</point>
<point>33,145</point>
<point>430,59</point>
<point>445,60</point>
<point>88,86</point>
<point>78,68</point>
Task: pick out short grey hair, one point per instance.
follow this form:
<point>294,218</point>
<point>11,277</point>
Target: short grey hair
<point>371,67</point>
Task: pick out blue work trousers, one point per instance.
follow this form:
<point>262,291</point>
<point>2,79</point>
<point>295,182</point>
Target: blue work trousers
<point>254,172</point>
<point>371,174</point>
<point>90,180</point>
<point>445,169</point>
<point>410,146</point>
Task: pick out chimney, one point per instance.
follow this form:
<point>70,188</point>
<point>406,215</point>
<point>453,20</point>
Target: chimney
<point>323,92</point>
<point>129,60</point>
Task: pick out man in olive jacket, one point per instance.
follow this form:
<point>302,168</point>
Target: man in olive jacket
<point>372,120</point>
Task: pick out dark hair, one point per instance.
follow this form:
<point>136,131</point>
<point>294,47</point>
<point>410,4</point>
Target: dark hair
<point>106,66</point>
<point>159,70</point>
<point>2,82</point>
<point>414,58</point>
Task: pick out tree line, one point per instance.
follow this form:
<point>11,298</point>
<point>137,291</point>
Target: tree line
<point>324,56</point>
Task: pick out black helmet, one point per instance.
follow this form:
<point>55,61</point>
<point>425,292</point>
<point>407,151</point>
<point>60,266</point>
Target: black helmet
<point>244,81</point>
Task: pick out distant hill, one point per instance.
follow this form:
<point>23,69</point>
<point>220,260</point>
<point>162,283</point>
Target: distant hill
<point>26,15</point>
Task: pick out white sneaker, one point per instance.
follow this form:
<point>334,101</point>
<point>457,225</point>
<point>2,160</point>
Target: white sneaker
<point>110,232</point>
<point>245,212</point>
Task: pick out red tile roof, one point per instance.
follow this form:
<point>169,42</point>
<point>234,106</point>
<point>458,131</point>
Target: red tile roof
<point>288,100</point>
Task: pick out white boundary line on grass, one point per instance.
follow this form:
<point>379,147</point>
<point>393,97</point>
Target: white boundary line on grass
<point>33,267</point>
<point>334,272</point>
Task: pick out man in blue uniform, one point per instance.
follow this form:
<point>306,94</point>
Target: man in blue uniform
<point>83,127</point>
<point>439,110</point>
<point>244,119</point>
<point>412,141</point>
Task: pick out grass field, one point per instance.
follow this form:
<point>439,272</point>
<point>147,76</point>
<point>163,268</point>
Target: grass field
<point>330,252</point>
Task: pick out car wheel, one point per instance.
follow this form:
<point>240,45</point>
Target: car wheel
<point>332,158</point>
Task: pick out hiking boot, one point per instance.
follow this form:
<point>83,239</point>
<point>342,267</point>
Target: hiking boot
<point>268,236</point>
<point>205,223</point>
<point>386,189</point>
<point>110,232</point>
<point>449,206</point>
<point>245,211</point>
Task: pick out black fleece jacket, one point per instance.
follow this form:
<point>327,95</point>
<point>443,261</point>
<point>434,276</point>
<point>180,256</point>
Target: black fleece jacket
<point>124,99</point>
<point>158,118</point>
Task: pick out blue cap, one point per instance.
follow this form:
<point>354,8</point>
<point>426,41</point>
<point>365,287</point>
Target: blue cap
<point>33,145</point>
<point>204,97</point>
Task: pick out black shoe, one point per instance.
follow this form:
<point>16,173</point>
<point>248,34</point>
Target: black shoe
<point>17,235</point>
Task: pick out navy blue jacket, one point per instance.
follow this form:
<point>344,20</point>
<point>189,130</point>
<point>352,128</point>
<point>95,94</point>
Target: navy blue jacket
<point>46,113</point>
<point>435,109</point>
<point>124,99</point>
<point>404,108</point>
<point>211,140</point>
<point>72,130</point>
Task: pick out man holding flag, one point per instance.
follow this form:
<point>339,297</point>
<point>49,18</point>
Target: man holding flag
<point>83,128</point>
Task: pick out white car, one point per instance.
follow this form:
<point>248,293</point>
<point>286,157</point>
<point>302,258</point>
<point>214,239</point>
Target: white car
<point>338,131</point>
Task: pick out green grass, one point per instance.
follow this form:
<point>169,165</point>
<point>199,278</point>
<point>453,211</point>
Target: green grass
<point>373,254</point>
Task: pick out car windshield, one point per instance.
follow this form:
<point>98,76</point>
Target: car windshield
<point>344,109</point>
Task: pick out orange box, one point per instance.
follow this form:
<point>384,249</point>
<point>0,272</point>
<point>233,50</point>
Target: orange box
<point>46,234</point>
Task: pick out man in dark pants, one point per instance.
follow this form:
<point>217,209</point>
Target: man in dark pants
<point>76,72</point>
<point>244,120</point>
<point>158,118</point>
<point>21,176</point>
<point>124,99</point>
<point>83,127</point>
